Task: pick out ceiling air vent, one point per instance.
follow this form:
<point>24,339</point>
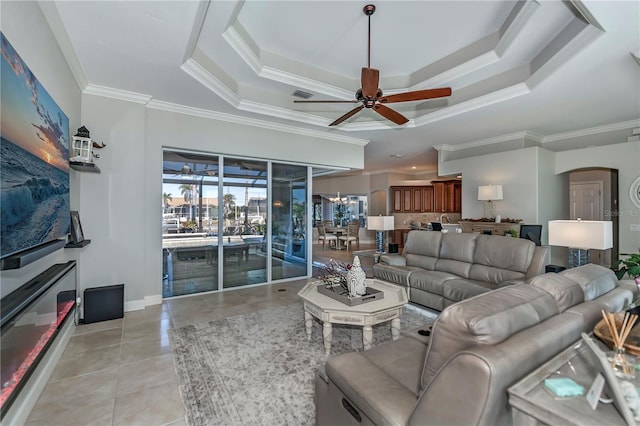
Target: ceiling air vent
<point>301,94</point>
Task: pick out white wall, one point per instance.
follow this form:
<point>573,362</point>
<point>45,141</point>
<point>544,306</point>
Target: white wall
<point>26,29</point>
<point>120,207</point>
<point>525,177</point>
<point>625,157</point>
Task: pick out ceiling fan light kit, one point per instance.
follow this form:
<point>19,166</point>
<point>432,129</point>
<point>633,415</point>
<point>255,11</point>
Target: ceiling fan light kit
<point>370,95</point>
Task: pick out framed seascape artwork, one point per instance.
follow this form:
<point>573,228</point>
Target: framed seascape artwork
<point>77,236</point>
<point>34,160</point>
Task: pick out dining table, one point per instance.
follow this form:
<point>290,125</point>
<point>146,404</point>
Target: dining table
<point>337,231</point>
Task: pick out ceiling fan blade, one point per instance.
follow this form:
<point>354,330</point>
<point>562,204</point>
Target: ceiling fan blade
<point>326,102</point>
<point>370,79</point>
<point>416,95</point>
<point>347,115</point>
<point>390,114</point>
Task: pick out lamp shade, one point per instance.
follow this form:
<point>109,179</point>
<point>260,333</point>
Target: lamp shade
<point>380,223</point>
<point>584,234</point>
<point>489,192</point>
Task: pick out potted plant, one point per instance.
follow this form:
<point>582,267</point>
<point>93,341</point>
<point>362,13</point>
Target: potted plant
<point>629,264</point>
<point>511,233</point>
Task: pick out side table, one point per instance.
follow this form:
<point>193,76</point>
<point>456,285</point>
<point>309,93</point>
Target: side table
<point>533,404</point>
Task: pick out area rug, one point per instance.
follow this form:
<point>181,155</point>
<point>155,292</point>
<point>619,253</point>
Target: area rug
<point>259,368</point>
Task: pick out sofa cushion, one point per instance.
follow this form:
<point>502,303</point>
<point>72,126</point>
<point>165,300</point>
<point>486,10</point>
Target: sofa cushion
<point>494,275</point>
<point>486,319</point>
<point>431,281</point>
<point>595,280</point>
<point>513,254</point>
<point>424,243</point>
<point>456,253</point>
<point>460,289</point>
<point>394,274</point>
<point>566,292</point>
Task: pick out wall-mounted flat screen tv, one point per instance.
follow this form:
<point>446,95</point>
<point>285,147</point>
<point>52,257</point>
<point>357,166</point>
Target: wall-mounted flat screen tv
<point>34,160</point>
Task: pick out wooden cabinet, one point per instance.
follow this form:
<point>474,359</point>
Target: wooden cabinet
<point>488,227</point>
<point>412,199</point>
<point>427,199</point>
<point>447,196</point>
<point>399,236</point>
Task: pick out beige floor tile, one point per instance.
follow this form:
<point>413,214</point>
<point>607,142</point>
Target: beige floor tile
<point>152,406</point>
<point>98,326</point>
<point>80,400</point>
<point>95,340</point>
<point>144,348</point>
<point>145,374</point>
<point>181,422</point>
<point>90,361</point>
<point>150,313</point>
<point>140,330</point>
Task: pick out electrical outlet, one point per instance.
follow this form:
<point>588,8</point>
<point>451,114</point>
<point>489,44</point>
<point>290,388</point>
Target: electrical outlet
<point>635,227</point>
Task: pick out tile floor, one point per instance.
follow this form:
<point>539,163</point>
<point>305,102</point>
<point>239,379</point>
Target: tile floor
<point>121,372</point>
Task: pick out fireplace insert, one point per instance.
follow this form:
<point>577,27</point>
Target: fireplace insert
<point>31,317</point>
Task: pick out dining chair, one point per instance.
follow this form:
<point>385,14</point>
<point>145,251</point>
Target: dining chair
<point>351,236</point>
<point>324,237</point>
<point>327,223</point>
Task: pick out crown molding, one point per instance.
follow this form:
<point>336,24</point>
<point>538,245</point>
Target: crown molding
<point>204,77</point>
<point>285,113</point>
<point>591,131</point>
<point>539,139</point>
<point>196,29</point>
<point>473,104</point>
<point>234,38</point>
<point>52,16</point>
<point>123,95</point>
<point>204,113</point>
<point>524,135</point>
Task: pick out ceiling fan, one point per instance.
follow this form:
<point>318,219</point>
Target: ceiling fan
<point>370,95</point>
<point>187,170</point>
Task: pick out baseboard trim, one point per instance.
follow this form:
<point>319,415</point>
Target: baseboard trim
<point>155,299</point>
<point>137,305</point>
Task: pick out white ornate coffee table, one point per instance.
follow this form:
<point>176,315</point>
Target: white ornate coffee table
<point>366,315</point>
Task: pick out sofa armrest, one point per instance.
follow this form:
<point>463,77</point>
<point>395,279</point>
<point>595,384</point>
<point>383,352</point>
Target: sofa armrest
<point>393,259</point>
<point>537,263</point>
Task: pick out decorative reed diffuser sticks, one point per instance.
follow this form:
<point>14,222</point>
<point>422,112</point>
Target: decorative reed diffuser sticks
<point>619,361</point>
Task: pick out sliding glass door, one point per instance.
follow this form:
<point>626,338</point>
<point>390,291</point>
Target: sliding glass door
<point>289,255</point>
<point>230,222</point>
<point>189,223</point>
<point>244,195</point>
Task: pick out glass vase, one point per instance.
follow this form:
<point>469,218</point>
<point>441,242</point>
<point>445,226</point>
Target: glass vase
<point>622,364</point>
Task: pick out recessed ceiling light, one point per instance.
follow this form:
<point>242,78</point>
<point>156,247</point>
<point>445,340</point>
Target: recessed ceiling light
<point>396,155</point>
<point>413,167</point>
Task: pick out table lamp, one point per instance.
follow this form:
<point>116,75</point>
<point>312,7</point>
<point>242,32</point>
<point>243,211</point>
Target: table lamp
<point>489,193</point>
<point>581,236</point>
<point>380,224</point>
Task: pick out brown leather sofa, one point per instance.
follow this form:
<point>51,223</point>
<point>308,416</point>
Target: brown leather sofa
<point>440,269</point>
<point>478,348</point>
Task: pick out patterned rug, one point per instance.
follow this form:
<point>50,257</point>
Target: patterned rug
<point>259,368</point>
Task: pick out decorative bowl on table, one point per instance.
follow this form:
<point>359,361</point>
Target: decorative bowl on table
<point>631,344</point>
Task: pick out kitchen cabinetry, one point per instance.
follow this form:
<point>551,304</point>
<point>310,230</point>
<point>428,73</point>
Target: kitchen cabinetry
<point>447,196</point>
<point>416,199</point>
